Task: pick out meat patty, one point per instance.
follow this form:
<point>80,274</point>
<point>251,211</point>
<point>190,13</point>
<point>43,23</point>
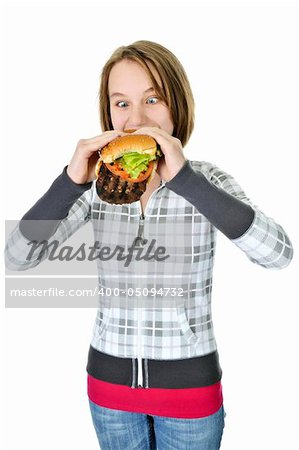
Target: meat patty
<point>112,189</point>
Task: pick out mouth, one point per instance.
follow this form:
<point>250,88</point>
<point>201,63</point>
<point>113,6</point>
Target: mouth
<point>130,130</point>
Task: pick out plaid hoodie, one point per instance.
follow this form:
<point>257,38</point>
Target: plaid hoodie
<point>160,327</point>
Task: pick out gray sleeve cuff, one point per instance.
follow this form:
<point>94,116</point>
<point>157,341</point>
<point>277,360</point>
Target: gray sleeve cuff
<point>41,221</point>
<point>226,212</point>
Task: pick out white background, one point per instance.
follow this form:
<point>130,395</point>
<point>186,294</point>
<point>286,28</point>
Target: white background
<point>242,62</point>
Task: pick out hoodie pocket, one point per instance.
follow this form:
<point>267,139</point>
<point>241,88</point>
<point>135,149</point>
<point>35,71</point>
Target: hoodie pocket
<point>187,333</point>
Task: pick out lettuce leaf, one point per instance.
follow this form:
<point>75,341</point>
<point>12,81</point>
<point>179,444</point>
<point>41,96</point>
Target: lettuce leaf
<point>135,163</point>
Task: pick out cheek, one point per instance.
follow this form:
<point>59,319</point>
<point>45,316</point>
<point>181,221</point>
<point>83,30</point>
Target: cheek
<point>163,117</point>
<point>166,122</point>
<point>169,125</point>
<point>116,118</point>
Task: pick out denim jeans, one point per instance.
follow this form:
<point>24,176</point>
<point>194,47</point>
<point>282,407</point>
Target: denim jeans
<point>121,430</point>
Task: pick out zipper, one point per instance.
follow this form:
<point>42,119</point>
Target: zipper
<point>142,215</point>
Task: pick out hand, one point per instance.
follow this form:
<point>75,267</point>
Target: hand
<point>172,149</point>
<point>82,166</point>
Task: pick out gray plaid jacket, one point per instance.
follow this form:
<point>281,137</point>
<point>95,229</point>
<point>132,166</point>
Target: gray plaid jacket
<point>160,326</point>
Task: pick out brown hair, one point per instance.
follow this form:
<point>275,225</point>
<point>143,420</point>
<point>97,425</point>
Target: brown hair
<point>175,90</point>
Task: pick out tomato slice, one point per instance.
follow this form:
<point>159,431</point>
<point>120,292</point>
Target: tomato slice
<point>117,169</point>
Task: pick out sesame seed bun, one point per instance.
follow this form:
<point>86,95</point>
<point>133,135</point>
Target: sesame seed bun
<point>126,144</point>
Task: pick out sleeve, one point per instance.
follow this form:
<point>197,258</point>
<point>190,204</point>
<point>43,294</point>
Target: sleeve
<point>220,198</point>
<point>53,219</point>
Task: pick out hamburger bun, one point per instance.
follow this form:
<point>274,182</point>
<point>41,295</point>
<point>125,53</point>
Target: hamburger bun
<point>117,181</point>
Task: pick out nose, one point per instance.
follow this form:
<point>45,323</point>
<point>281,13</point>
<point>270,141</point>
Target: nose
<point>137,117</point>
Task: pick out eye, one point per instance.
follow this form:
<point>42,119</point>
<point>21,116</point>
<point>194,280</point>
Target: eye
<point>152,100</point>
<point>122,104</point>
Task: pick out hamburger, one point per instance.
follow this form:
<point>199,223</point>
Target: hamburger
<point>125,167</point>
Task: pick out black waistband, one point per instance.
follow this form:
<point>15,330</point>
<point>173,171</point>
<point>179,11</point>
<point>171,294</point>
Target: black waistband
<point>166,374</point>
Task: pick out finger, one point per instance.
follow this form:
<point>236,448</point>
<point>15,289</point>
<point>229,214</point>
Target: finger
<point>98,142</point>
<point>108,134</point>
<point>150,131</point>
<point>156,133</point>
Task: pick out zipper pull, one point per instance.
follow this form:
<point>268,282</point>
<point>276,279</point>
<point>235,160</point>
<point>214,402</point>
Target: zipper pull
<point>140,231</point>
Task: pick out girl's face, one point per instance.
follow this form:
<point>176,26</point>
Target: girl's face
<point>133,101</point>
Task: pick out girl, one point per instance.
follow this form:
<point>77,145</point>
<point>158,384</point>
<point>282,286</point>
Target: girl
<point>154,379</point>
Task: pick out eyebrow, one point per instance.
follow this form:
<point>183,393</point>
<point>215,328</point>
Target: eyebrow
<point>119,94</point>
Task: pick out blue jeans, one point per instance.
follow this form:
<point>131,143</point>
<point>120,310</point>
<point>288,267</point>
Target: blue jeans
<point>121,430</point>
